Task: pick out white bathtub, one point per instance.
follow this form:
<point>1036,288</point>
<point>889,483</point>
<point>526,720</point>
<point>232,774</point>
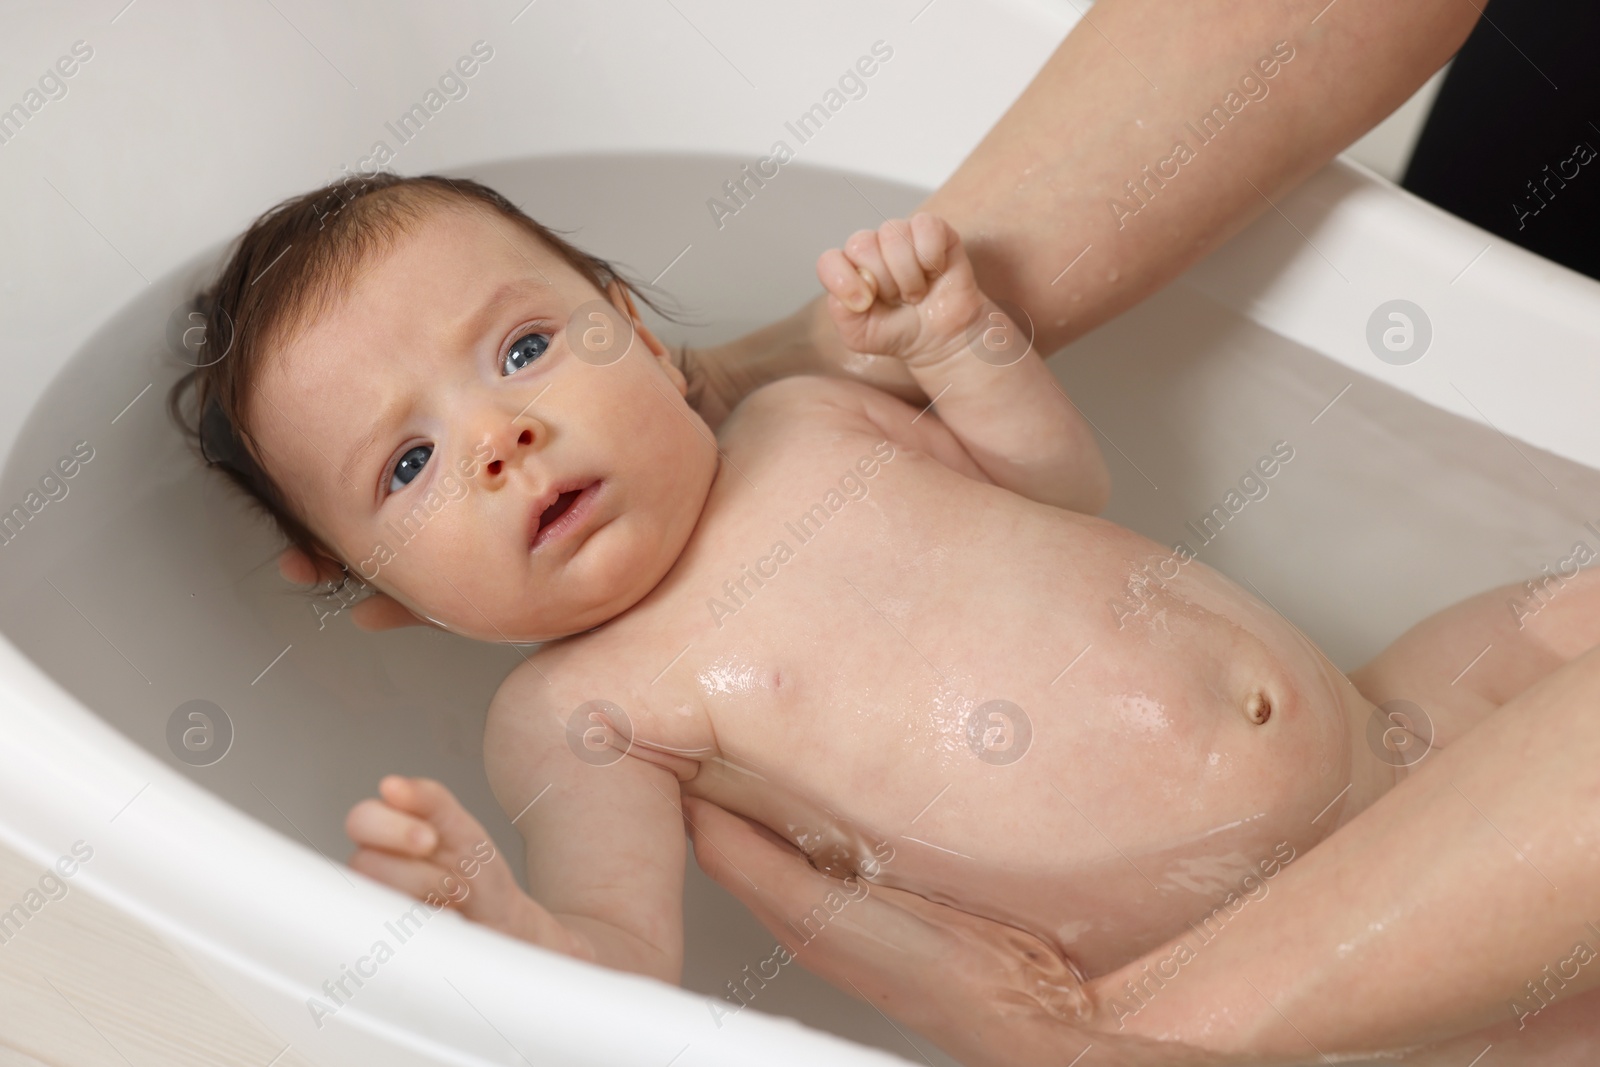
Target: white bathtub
<point>146,586</point>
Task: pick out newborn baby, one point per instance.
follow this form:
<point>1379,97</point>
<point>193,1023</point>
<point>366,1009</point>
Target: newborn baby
<point>897,637</point>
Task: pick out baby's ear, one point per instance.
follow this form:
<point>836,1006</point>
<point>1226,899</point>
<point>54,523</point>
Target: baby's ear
<point>622,298</point>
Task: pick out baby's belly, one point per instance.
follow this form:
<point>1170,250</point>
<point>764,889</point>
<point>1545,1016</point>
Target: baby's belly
<point>1029,747</point>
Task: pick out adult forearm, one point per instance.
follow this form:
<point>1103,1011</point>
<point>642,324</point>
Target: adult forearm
<point>1457,901</point>
<point>1101,124</point>
<point>1080,201</point>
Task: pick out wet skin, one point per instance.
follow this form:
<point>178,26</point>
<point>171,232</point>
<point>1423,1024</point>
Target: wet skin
<point>805,619</point>
<point>834,705</point>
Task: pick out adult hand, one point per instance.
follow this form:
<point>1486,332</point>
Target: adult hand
<point>988,994</point>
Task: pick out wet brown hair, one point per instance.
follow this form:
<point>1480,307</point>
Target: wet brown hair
<point>287,268</point>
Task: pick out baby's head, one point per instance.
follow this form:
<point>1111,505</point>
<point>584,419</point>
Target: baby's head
<point>423,384</point>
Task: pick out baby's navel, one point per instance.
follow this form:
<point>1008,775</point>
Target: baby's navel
<point>1258,708</point>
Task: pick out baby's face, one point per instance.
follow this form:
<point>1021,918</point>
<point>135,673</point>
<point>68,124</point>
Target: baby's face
<point>437,429</point>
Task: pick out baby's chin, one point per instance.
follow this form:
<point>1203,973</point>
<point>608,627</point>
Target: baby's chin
<point>610,578</point>
<point>546,622</point>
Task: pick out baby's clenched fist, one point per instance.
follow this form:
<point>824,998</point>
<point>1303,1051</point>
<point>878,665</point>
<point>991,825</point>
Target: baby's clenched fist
<point>905,289</point>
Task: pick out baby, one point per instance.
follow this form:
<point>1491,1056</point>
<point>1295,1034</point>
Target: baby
<point>897,637</point>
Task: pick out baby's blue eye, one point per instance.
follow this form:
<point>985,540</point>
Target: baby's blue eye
<point>409,467</point>
<point>524,351</point>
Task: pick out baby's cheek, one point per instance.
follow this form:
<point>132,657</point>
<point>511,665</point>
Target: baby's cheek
<point>435,572</point>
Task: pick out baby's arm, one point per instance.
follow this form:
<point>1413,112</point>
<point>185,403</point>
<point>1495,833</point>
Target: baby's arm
<point>605,844</point>
<point>907,290</point>
<point>604,832</point>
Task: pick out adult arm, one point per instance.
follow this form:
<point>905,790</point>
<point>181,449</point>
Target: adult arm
<point>988,994</point>
<point>1114,97</point>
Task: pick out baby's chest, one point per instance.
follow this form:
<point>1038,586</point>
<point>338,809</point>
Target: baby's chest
<point>822,609</point>
<point>770,667</point>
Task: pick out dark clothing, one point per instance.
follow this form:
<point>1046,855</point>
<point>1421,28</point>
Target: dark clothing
<point>1513,141</point>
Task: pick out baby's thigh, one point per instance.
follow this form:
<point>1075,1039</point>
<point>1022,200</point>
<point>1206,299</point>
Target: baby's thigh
<point>1564,614</point>
<point>1462,663</point>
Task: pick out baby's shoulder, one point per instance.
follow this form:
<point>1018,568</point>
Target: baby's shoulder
<point>519,704</point>
<point>551,683</point>
<point>795,423</point>
<point>787,432</point>
<point>555,700</point>
<point>806,404</point>
<point>530,712</point>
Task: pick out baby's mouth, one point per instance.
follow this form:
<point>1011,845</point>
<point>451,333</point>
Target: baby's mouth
<point>567,510</point>
<point>556,510</point>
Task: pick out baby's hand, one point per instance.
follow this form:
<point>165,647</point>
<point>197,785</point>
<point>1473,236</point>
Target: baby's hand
<point>419,839</point>
<point>905,289</point>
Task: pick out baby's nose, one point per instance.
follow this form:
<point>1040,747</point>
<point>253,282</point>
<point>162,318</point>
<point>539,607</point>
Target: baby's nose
<point>502,442</point>
<point>494,466</point>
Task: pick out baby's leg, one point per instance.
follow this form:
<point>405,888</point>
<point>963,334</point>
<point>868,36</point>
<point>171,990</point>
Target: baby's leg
<point>1462,663</point>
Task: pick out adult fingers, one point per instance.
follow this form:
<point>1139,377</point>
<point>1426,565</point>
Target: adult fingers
<point>961,979</point>
<point>382,612</point>
<point>297,567</point>
<point>989,994</point>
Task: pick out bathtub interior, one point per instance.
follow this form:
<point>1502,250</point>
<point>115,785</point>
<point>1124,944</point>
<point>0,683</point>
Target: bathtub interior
<point>151,584</point>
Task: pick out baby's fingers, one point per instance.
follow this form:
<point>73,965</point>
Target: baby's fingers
<point>416,878</point>
<point>459,833</point>
<point>932,237</point>
<point>864,250</point>
<point>911,276</point>
<point>374,824</point>
<point>841,278</point>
